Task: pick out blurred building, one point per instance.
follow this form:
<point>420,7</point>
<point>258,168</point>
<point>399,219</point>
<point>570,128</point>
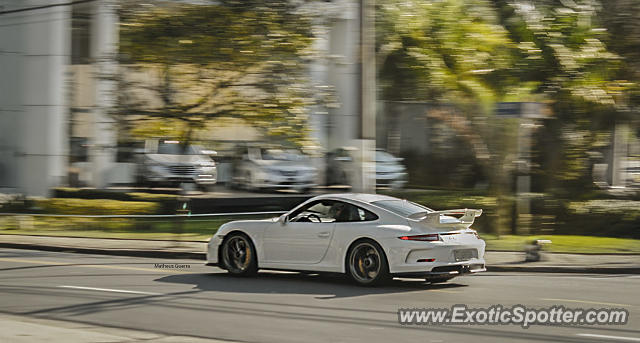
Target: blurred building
<point>47,47</point>
<point>54,128</point>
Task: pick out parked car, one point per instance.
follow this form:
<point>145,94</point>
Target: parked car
<point>389,171</point>
<point>259,168</point>
<point>171,162</point>
<point>369,237</point>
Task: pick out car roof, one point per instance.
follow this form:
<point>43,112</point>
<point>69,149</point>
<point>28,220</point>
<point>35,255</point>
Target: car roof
<point>361,197</point>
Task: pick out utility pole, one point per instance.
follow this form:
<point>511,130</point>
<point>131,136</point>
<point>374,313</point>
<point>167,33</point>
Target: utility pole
<point>366,142</point>
<point>526,114</point>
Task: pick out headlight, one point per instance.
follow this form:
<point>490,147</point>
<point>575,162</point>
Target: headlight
<point>206,164</point>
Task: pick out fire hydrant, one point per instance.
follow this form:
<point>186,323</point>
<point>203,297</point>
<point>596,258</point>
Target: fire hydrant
<point>534,248</point>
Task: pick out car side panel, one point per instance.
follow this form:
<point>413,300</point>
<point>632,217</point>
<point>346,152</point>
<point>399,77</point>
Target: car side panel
<point>402,255</point>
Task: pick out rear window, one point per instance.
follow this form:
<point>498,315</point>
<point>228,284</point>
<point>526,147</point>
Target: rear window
<point>402,207</point>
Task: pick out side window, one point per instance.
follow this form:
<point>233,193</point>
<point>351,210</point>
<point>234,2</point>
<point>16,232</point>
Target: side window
<point>352,213</point>
<point>365,215</point>
<point>327,211</point>
<point>317,211</point>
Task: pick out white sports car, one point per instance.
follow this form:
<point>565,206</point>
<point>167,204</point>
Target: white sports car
<point>369,237</point>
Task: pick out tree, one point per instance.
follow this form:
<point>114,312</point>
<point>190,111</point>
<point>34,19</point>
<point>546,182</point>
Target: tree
<point>464,56</point>
<point>471,54</point>
<point>183,65</point>
<point>585,83</point>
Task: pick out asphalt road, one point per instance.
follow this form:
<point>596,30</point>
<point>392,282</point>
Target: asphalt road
<point>204,302</point>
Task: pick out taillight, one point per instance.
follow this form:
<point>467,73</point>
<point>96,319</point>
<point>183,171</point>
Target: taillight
<point>425,238</point>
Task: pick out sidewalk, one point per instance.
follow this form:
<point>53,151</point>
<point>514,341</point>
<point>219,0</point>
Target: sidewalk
<point>497,261</point>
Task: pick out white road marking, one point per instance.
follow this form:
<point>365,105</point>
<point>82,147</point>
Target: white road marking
<point>109,290</point>
<point>632,339</point>
<point>65,264</point>
<point>609,277</point>
<point>587,302</point>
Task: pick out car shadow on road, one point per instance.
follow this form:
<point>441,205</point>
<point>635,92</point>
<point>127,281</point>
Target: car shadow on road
<point>323,286</point>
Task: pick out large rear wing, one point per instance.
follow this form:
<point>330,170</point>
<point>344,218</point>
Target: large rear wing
<point>451,218</point>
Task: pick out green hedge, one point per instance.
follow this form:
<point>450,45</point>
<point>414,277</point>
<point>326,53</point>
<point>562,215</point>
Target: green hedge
<point>628,210</point>
<point>95,206</point>
<point>91,193</point>
<point>167,202</point>
<point>603,217</point>
<point>550,215</point>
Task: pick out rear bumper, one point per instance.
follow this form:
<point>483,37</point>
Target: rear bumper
<point>426,258</point>
<point>206,176</point>
<point>286,185</point>
<point>451,270</point>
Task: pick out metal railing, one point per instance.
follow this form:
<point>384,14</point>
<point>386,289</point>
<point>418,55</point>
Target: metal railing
<point>230,214</point>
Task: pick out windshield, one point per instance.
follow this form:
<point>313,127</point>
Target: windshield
<point>382,156</point>
<point>282,155</point>
<point>176,149</point>
<point>402,207</point>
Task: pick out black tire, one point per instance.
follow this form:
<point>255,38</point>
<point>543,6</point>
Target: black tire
<point>238,255</point>
<point>205,188</point>
<point>344,179</point>
<point>366,263</point>
<point>438,279</point>
<point>248,180</point>
<point>142,181</point>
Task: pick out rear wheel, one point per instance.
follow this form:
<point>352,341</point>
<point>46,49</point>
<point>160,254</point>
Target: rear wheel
<point>367,264</point>
<point>344,179</point>
<point>248,182</point>
<point>239,256</point>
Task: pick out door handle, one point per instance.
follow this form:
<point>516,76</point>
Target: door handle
<point>324,234</point>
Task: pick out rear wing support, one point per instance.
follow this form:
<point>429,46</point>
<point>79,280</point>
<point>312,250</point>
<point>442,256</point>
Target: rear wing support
<point>465,216</point>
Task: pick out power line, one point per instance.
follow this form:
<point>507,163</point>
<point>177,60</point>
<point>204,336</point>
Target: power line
<point>26,9</point>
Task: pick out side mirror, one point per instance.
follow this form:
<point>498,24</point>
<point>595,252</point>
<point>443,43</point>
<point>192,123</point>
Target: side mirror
<point>282,219</point>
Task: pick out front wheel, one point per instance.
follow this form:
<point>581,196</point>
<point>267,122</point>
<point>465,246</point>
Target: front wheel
<point>239,256</point>
<point>367,264</point>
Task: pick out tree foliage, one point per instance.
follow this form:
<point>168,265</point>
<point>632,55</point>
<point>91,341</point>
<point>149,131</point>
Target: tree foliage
<point>188,64</point>
<point>468,55</point>
<point>450,51</point>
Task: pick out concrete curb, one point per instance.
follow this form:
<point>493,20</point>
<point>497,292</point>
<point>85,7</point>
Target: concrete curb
<point>114,252</point>
<point>564,269</point>
<point>202,256</point>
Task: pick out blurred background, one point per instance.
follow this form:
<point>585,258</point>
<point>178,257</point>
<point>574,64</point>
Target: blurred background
<point>526,109</point>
